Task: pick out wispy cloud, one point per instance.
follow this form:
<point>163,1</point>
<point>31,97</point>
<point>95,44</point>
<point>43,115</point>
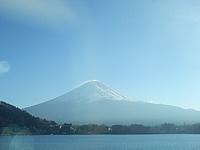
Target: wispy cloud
<point>4,67</point>
<point>47,12</point>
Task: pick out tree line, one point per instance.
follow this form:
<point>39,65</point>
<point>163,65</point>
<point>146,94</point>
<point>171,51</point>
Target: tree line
<point>166,128</point>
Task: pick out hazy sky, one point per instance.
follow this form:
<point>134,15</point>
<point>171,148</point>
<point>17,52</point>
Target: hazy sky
<point>146,49</point>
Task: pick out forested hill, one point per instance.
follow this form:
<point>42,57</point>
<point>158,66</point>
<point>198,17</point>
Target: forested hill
<point>16,121</point>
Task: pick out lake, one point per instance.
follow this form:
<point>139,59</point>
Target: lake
<point>101,142</point>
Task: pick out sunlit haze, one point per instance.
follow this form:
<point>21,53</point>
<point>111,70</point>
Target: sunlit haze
<point>146,50</point>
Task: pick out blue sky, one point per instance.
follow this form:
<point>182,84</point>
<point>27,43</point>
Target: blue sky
<point>146,49</point>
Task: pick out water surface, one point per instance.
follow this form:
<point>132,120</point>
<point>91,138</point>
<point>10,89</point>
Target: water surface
<point>101,142</point>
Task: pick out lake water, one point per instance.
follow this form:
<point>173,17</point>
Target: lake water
<point>101,142</point>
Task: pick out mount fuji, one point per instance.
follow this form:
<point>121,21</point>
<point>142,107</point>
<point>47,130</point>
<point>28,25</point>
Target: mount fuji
<point>95,102</point>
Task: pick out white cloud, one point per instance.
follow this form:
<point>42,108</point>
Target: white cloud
<point>4,66</point>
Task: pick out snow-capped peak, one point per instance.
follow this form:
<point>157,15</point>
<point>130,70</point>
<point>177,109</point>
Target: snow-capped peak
<point>90,91</point>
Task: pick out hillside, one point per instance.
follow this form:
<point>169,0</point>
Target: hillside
<point>16,121</point>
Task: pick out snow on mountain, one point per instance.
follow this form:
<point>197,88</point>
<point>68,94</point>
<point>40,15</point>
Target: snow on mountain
<point>91,91</point>
<point>94,102</point>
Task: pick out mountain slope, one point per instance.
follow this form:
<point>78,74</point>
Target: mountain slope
<point>94,102</point>
<point>16,121</point>
<point>91,91</point>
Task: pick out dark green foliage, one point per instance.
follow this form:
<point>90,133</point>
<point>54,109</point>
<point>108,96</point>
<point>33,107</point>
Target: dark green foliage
<point>92,129</point>
<point>12,115</point>
<point>16,121</point>
<point>166,128</point>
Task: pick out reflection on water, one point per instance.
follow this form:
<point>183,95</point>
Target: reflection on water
<point>17,143</point>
